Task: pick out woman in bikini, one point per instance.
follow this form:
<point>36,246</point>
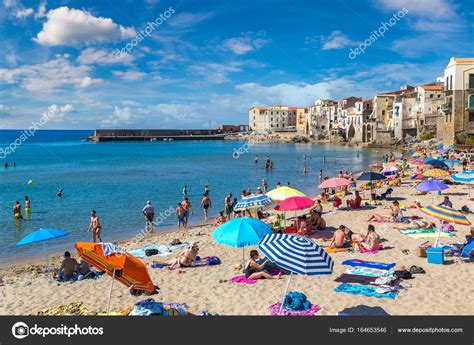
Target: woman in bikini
<point>185,258</point>
<point>394,216</point>
<point>372,239</point>
<point>255,271</point>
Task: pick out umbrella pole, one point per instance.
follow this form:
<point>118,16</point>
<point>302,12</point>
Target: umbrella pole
<point>284,295</point>
<point>47,259</point>
<point>110,292</point>
<point>243,257</point>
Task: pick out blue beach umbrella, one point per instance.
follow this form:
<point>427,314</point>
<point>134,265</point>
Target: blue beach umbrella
<point>42,235</point>
<point>451,147</point>
<point>464,177</point>
<point>297,254</point>
<point>252,201</point>
<point>437,163</point>
<point>241,232</point>
<point>452,162</point>
<point>431,186</point>
<point>440,146</point>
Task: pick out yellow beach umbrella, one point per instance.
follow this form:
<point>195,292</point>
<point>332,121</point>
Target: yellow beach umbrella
<point>437,173</point>
<point>282,193</point>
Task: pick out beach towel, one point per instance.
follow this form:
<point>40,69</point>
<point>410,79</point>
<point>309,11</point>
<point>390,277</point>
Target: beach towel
<point>369,272</point>
<point>365,290</point>
<point>242,279</point>
<point>149,307</point>
<point>274,309</point>
<point>369,264</point>
<point>417,231</point>
<point>207,261</point>
<point>430,235</point>
<point>110,248</point>
<point>336,250</point>
<point>163,250</point>
<point>361,249</point>
<point>355,279</point>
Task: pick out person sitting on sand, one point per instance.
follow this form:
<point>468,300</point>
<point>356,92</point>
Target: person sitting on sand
<point>356,202</point>
<point>185,258</point>
<point>221,219</point>
<point>416,204</point>
<point>371,240</point>
<point>339,239</point>
<point>68,266</point>
<point>416,224</point>
<point>84,271</point>
<point>394,216</point>
<point>255,271</point>
<point>318,207</point>
<point>350,235</point>
<point>316,221</point>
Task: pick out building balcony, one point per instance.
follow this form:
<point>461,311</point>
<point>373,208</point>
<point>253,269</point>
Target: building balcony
<point>448,92</point>
<point>447,107</point>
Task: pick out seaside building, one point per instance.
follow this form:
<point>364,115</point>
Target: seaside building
<point>276,118</point>
<point>321,115</point>
<point>361,127</point>
<point>303,121</point>
<point>456,124</point>
<point>343,109</point>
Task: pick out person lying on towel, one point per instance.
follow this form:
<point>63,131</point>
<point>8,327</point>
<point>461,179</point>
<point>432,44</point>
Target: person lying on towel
<point>185,258</point>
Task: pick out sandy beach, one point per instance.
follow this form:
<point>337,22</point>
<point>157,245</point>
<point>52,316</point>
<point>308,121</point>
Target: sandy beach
<point>443,290</point>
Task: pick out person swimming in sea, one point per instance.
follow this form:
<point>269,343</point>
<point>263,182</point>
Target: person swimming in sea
<point>60,193</point>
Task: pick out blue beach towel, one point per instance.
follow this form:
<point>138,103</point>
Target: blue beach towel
<point>364,290</point>
<point>369,264</point>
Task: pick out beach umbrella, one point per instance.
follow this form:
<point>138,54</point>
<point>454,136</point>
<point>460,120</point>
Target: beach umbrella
<point>282,193</point>
<point>439,147</point>
<point>371,176</point>
<point>335,182</point>
<point>417,163</point>
<point>295,203</point>
<point>464,177</point>
<point>431,186</point>
<point>241,232</point>
<point>417,177</point>
<point>42,235</point>
<point>253,201</point>
<point>437,163</point>
<point>452,162</point>
<point>451,147</point>
<point>447,214</point>
<point>390,170</point>
<point>429,159</point>
<point>436,173</point>
<point>117,263</point>
<point>297,254</point>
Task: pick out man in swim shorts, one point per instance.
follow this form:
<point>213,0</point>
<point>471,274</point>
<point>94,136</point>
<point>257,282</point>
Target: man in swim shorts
<point>206,204</point>
<point>228,206</point>
<point>180,216</point>
<point>27,205</point>
<point>338,240</point>
<point>17,211</point>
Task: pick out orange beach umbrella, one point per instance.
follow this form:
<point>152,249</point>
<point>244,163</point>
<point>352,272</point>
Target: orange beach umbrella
<point>118,264</point>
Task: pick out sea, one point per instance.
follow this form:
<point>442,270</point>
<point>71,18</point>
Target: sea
<point>117,178</point>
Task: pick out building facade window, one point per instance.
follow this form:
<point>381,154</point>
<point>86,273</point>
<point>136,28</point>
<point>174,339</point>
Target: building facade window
<point>471,81</point>
<point>470,104</point>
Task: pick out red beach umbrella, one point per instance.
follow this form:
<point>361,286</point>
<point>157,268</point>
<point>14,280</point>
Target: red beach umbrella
<point>295,203</point>
<point>335,183</point>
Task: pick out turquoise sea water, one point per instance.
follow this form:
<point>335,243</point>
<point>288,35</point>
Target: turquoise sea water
<point>116,179</point>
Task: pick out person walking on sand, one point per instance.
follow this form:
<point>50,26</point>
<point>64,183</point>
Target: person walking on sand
<point>17,211</point>
<point>187,208</point>
<point>206,204</point>
<point>180,216</point>
<point>149,213</point>
<point>228,206</point>
<point>95,227</point>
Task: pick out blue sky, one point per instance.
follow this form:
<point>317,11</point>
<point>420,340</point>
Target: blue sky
<point>202,62</point>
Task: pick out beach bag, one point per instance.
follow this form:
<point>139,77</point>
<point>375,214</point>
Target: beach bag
<point>465,209</point>
<point>417,270</point>
<point>421,252</point>
<point>175,242</point>
<point>447,227</point>
<point>403,274</point>
<point>151,252</point>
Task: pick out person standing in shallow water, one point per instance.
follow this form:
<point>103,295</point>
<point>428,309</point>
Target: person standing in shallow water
<point>206,204</point>
<point>95,227</point>
<point>17,211</point>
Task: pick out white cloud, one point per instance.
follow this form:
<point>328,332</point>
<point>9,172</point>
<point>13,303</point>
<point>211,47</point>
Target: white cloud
<point>56,113</point>
<point>103,57</point>
<point>23,13</point>
<point>186,20</point>
<point>49,76</point>
<point>215,73</point>
<point>71,27</point>
<point>424,8</point>
<point>41,13</point>
<point>130,74</point>
<point>119,117</point>
<point>336,40</point>
<point>245,44</point>
<point>5,108</point>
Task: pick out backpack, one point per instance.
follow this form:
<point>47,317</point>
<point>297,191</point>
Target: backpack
<point>151,252</point>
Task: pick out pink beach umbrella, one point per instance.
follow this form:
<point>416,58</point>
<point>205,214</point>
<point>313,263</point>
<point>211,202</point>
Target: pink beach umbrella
<point>335,183</point>
<point>295,203</point>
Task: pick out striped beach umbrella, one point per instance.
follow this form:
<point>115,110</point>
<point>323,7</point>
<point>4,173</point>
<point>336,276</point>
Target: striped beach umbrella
<point>297,254</point>
<point>446,213</point>
<point>464,177</point>
<point>252,201</point>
